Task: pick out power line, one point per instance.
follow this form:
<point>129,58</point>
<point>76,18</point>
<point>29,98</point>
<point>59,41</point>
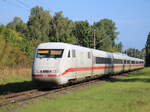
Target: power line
<point>14,4</point>
<point>23,4</point>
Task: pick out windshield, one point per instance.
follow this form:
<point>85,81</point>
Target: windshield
<point>49,53</point>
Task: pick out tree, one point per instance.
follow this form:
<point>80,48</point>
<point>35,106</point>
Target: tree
<point>105,34</point>
<point>18,25</point>
<point>21,38</point>
<point>147,49</point>
<point>11,50</point>
<point>135,53</point>
<point>61,29</point>
<point>13,24</point>
<point>39,24</point>
<point>119,47</point>
<point>143,53</point>
<point>83,32</point>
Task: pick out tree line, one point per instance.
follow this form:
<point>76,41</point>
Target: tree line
<point>147,50</point>
<point>19,39</point>
<point>135,53</point>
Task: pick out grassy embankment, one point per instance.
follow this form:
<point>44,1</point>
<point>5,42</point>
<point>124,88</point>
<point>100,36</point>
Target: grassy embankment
<point>126,94</point>
<point>10,75</point>
<point>15,80</point>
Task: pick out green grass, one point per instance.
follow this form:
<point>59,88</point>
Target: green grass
<point>127,94</point>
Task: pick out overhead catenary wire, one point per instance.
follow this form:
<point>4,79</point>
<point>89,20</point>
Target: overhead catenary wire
<point>15,4</point>
<point>23,4</point>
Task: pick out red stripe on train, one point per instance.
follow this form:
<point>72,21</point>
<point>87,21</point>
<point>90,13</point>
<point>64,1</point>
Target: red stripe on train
<point>81,69</point>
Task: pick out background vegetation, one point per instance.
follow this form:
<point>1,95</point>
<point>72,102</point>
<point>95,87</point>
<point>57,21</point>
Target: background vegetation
<point>18,39</point>
<point>147,49</point>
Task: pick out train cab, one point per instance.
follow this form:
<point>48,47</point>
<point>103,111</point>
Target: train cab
<point>48,64</point>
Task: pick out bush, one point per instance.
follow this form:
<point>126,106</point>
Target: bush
<point>13,50</point>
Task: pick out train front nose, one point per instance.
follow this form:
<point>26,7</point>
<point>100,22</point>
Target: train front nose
<point>46,78</point>
<point>46,65</point>
<point>46,70</point>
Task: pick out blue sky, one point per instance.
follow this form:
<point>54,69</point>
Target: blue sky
<point>132,17</point>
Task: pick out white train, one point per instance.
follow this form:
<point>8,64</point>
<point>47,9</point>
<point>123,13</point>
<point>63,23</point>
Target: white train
<point>58,63</point>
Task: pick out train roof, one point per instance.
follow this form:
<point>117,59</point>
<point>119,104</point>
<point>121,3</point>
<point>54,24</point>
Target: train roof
<point>62,45</point>
<point>126,57</point>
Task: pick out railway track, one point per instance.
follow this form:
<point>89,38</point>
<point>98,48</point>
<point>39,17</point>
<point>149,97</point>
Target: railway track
<point>28,95</point>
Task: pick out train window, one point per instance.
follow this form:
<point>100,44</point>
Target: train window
<point>108,60</point>
<point>98,60</point>
<point>114,61</point>
<point>43,51</point>
<point>125,62</point>
<point>89,55</point>
<point>73,53</point>
<point>101,60</point>
<point>69,54</point>
<point>118,61</point>
<point>49,53</point>
<point>128,61</point>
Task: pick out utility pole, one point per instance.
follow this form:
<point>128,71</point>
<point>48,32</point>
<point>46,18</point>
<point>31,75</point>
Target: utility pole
<point>94,39</point>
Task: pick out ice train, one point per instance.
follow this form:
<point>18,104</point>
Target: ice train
<point>57,63</point>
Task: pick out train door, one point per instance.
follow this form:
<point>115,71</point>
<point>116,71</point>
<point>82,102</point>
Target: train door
<point>74,63</point>
<point>83,63</point>
<point>124,62</point>
<point>78,63</point>
<point>109,64</point>
<point>90,59</point>
<point>92,63</point>
<point>130,66</point>
<point>112,65</point>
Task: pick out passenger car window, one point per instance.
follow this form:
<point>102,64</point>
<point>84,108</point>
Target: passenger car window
<point>69,54</point>
<point>73,53</point>
<point>102,60</point>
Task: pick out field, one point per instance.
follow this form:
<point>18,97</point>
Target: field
<point>125,94</point>
<point>15,80</point>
